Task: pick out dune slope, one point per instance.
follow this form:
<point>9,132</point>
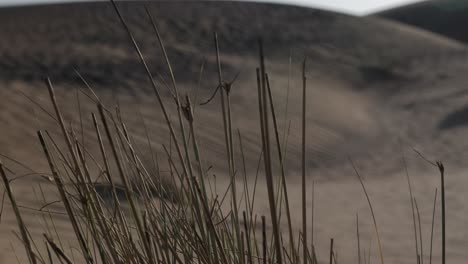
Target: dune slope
<point>442,17</point>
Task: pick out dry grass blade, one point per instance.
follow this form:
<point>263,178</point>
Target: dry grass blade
<point>107,168</point>
<point>371,209</point>
<point>413,213</point>
<point>440,165</point>
<point>64,197</point>
<point>303,164</point>
<point>312,225</point>
<point>228,139</point>
<point>432,226</point>
<point>264,241</point>
<point>155,89</point>
<point>210,222</point>
<point>127,187</point>
<point>358,239</point>
<point>263,101</point>
<point>187,165</point>
<point>19,219</point>
<point>247,237</point>
<point>76,167</point>
<point>57,250</point>
<point>283,174</point>
<point>421,256</point>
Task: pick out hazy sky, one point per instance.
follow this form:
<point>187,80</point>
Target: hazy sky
<point>357,7</point>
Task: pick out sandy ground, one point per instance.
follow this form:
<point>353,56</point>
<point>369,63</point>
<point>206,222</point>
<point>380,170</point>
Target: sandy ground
<point>371,85</point>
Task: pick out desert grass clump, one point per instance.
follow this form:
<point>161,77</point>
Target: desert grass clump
<point>179,218</point>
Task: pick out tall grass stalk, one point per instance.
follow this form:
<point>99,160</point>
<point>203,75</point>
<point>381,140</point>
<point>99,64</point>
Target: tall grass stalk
<point>358,239</point>
<point>303,164</point>
<point>421,256</point>
<point>19,219</point>
<point>432,225</point>
<point>283,183</point>
<point>79,173</point>
<point>263,106</point>
<point>440,165</point>
<point>226,116</point>
<point>371,209</point>
<point>312,224</point>
<point>413,213</point>
<point>155,88</point>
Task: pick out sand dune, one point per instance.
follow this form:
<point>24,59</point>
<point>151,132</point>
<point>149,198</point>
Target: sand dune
<point>371,82</point>
<point>441,17</point>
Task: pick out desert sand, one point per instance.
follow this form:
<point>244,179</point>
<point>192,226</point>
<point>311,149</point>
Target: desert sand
<point>372,83</point>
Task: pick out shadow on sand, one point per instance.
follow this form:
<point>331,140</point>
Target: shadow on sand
<point>455,119</point>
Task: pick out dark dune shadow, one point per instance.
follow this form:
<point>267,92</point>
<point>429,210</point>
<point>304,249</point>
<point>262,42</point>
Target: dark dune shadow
<point>442,17</point>
<point>105,192</point>
<point>372,73</point>
<point>455,119</point>
<point>168,192</point>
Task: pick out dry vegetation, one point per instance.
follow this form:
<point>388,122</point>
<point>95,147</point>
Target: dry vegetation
<point>182,218</point>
